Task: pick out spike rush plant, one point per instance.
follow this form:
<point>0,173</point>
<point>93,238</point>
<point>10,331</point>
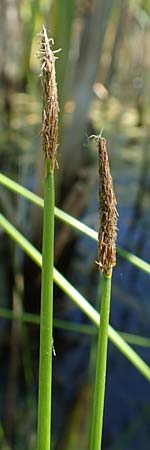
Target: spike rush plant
<point>106,261</point>
<point>49,133</point>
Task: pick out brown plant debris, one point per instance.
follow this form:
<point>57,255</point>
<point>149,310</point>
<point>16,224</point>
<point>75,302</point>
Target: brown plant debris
<point>50,99</point>
<point>108,214</point>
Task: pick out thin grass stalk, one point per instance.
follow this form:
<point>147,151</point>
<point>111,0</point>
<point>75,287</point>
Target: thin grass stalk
<point>46,320</point>
<point>93,358</point>
<point>71,221</point>
<point>99,393</point>
<point>49,133</point>
<point>106,261</point>
<point>77,298</point>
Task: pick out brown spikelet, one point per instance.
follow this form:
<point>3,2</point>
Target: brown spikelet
<point>108,213</point>
<point>50,101</point>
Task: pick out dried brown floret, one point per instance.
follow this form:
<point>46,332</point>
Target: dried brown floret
<point>50,100</point>
<point>107,213</point>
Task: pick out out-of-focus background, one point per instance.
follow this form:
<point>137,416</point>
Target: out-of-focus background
<point>103,77</point>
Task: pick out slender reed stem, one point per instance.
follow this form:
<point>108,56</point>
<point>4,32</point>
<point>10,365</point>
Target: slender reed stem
<point>50,133</point>
<point>46,321</point>
<point>98,406</point>
<point>106,261</point>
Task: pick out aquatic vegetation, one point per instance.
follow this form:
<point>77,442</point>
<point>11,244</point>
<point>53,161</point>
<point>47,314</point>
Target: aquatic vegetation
<point>106,260</point>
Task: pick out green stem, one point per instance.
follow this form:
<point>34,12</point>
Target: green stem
<point>46,318</point>
<point>99,394</point>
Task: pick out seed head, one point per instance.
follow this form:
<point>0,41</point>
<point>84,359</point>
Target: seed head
<point>107,234</point>
<point>50,101</point>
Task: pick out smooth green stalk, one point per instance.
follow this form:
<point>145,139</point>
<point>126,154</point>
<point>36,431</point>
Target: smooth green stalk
<point>99,394</point>
<point>71,221</point>
<point>77,298</point>
<point>46,319</point>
